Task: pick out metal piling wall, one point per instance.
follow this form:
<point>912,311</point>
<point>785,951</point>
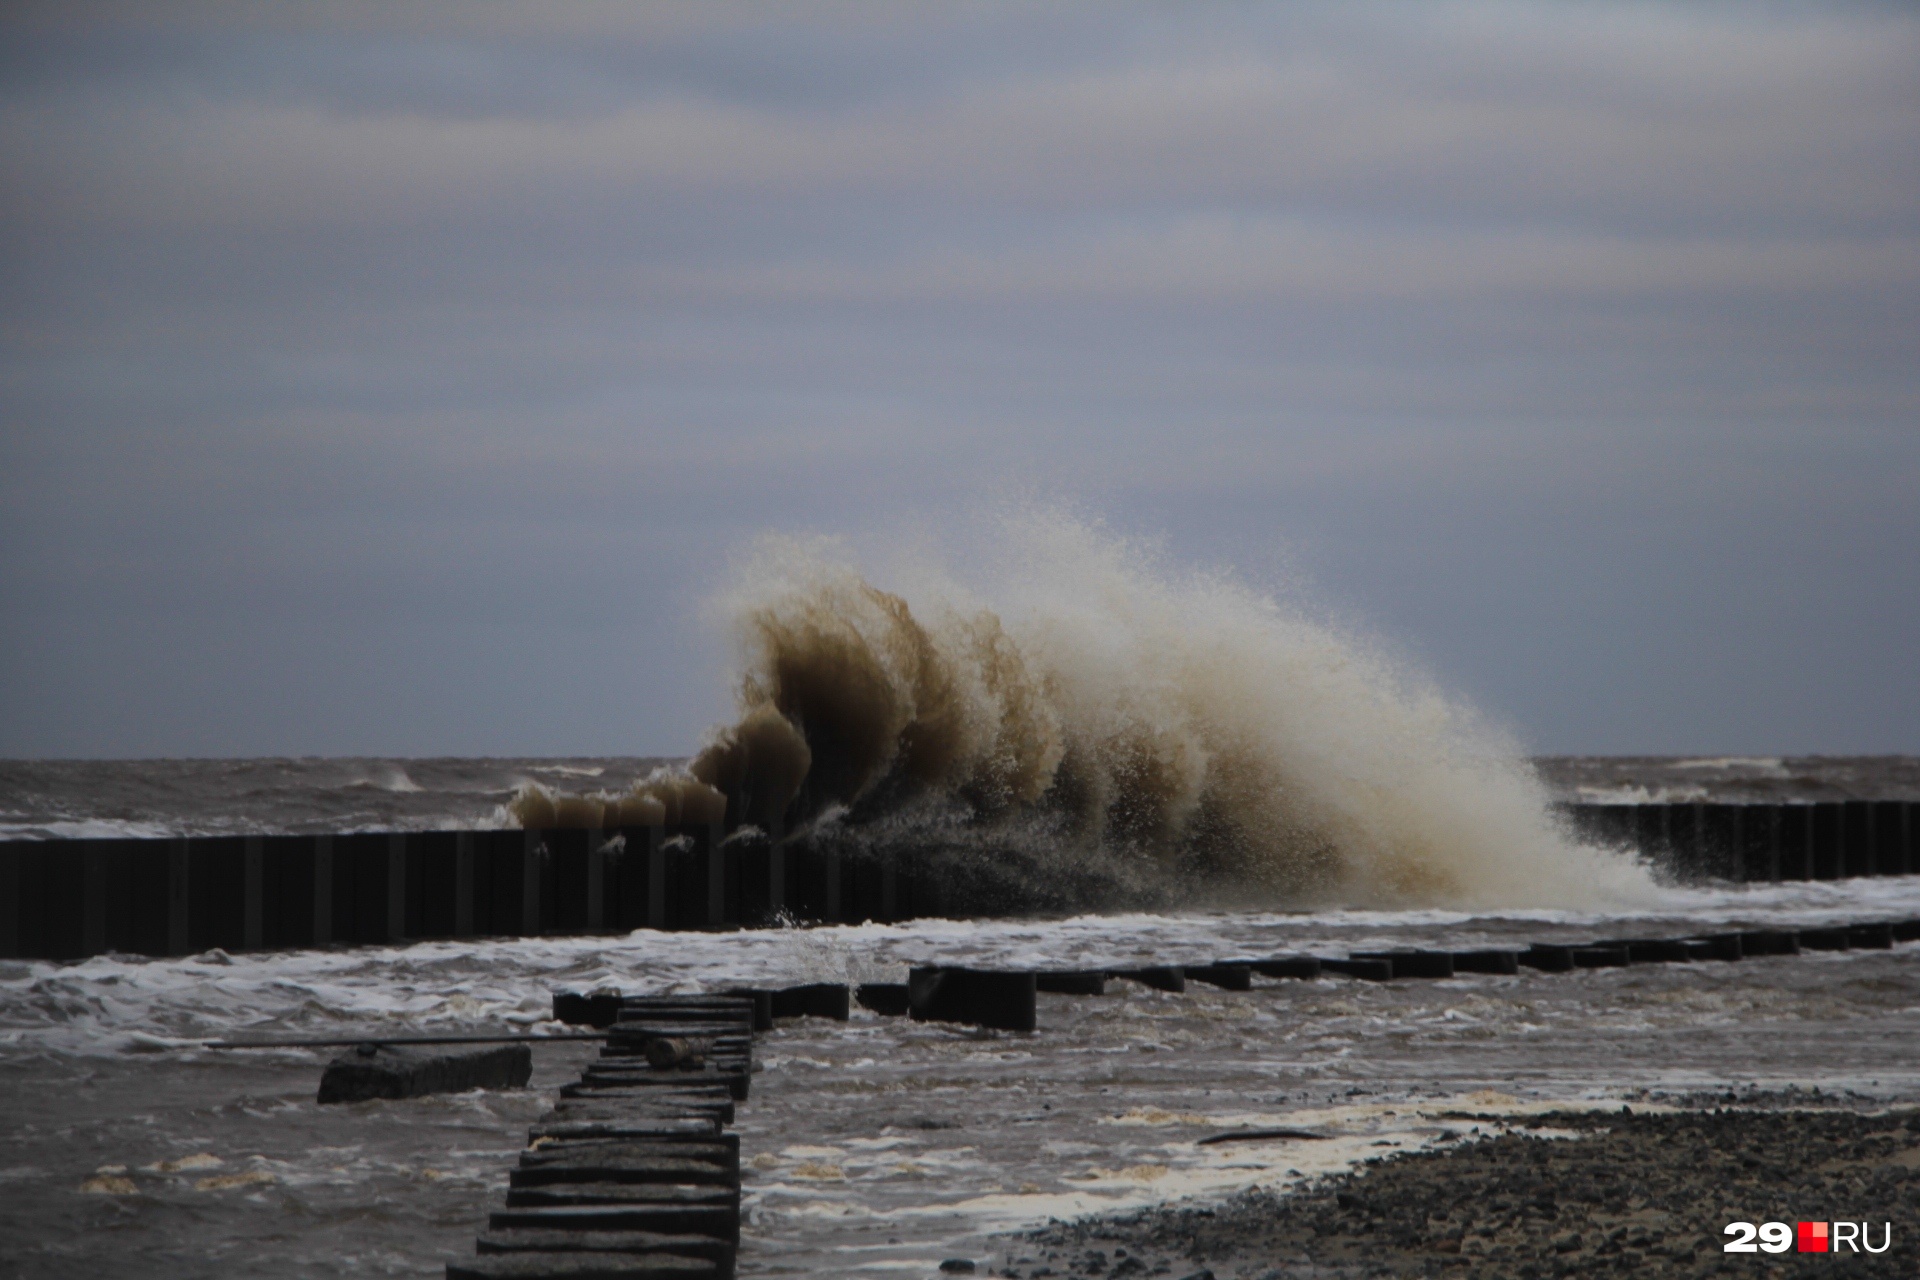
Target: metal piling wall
<point>67,899</point>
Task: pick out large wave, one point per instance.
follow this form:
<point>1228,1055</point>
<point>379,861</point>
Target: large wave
<point>1089,722</point>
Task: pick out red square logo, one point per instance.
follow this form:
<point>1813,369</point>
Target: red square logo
<point>1813,1237</point>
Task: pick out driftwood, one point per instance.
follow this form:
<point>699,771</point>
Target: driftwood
<point>665,1053</point>
<point>1259,1135</point>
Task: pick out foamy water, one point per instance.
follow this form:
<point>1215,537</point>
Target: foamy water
<point>1071,705</point>
<point>1079,711</point>
<point>879,1146</point>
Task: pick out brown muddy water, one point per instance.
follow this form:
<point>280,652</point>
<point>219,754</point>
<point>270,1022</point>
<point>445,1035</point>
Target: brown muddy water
<point>877,1146</point>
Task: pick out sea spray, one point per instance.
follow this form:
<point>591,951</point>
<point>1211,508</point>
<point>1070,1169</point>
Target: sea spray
<point>1086,727</point>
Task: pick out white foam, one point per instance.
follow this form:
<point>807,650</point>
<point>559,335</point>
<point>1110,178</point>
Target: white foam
<point>1764,766</point>
<point>115,1003</point>
<point>1188,716</point>
<point>83,829</point>
<point>394,780</point>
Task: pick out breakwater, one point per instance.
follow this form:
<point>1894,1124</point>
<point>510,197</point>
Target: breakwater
<point>68,899</point>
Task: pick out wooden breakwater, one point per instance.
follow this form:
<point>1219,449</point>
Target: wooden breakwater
<point>67,899</point>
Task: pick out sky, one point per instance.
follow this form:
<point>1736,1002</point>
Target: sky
<point>402,378</point>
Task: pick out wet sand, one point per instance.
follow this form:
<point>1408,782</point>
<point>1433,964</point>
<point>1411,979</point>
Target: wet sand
<point>1586,1193</point>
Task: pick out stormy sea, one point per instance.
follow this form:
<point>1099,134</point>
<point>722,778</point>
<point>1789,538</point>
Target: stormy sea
<point>1230,775</point>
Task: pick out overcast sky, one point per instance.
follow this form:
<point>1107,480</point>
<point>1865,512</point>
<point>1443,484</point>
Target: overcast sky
<point>397,379</point>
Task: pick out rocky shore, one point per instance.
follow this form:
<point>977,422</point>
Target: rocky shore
<point>1613,1193</point>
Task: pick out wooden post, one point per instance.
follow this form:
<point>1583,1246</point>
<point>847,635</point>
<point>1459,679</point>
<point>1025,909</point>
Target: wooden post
<point>177,871</point>
<point>596,880</point>
<point>396,886</point>
<point>254,877</point>
<point>322,890</point>
<point>9,902</point>
<point>93,899</point>
<point>530,884</point>
<point>777,868</point>
<point>1773,843</point>
<point>1911,856</point>
<point>716,875</point>
<point>463,884</point>
<point>656,878</point>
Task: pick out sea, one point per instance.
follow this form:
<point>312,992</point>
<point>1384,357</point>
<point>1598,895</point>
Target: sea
<point>875,1147</point>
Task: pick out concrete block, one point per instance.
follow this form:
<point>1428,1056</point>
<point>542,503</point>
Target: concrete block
<point>630,1033</point>
<point>888,999</point>
<point>1769,942</point>
<point>661,1169</point>
<point>1284,966</point>
<point>636,1091</point>
<point>594,1155</point>
<point>625,1044</point>
<point>1870,937</point>
<point>690,1092</point>
<point>377,1071</point>
<point>636,1073</point>
<point>716,1220</point>
<point>586,1009</point>
<point>1071,982</point>
<point>655,1103</point>
<point>1548,958</point>
<point>762,1002</point>
<point>1368,970</point>
<point>1229,977</point>
<point>982,997</point>
<point>717,1004</point>
<point>813,1000</point>
<point>583,1266</point>
<point>713,1250</point>
<point>1413,964</point>
<point>1653,950</point>
<point>644,1193</point>
<point>1598,957</point>
<point>1486,961</point>
<point>1904,930</point>
<point>1161,977</point>
<point>632,1129</point>
<point>1825,939</point>
<point>701,1143</point>
<point>736,1080</point>
<point>1716,946</point>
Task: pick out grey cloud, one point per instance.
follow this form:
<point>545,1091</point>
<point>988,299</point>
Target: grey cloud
<point>435,356</point>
